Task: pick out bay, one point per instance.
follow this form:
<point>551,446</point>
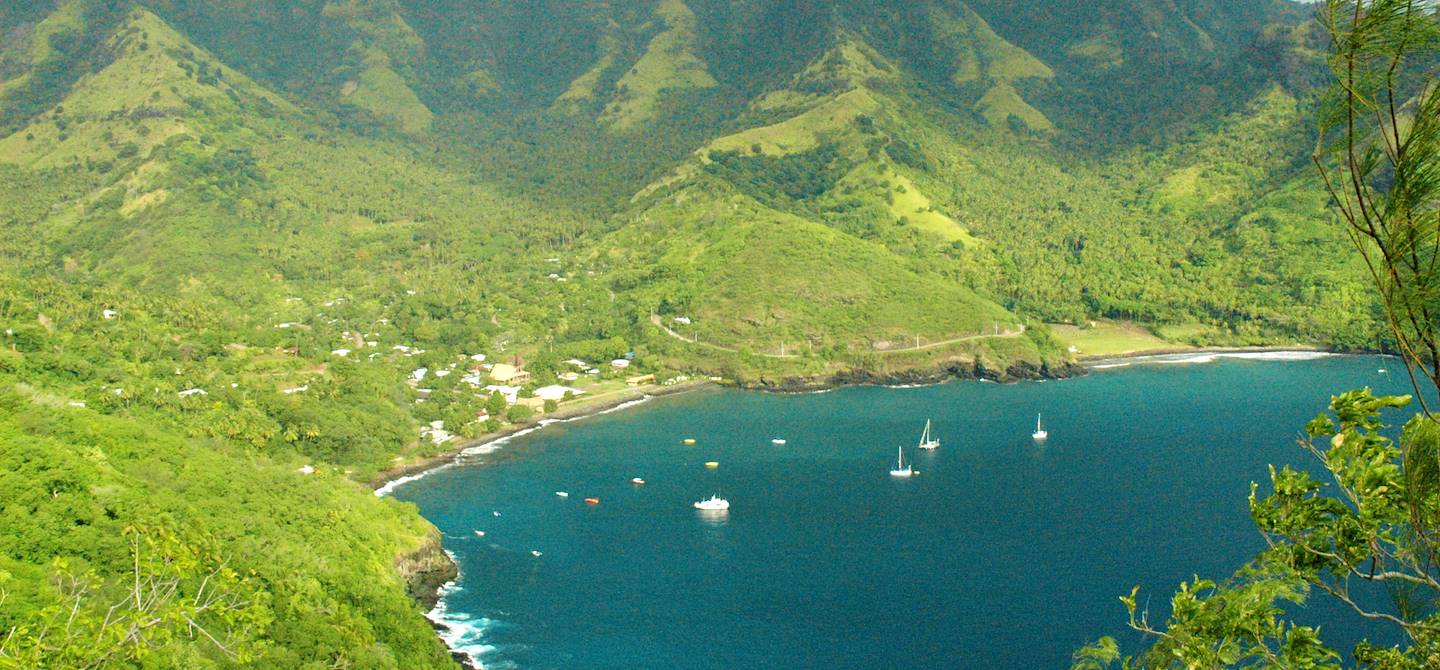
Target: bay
<point>1001,552</point>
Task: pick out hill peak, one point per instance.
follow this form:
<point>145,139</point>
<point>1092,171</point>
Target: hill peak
<point>669,63</point>
<point>146,94</point>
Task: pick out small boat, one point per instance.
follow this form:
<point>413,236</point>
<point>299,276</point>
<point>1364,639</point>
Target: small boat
<point>714,504</point>
<point>928,441</point>
<point>1039,433</point>
<point>902,469</point>
<point>592,501</point>
<point>777,441</point>
<point>479,533</point>
<point>689,440</point>
<point>637,481</point>
<point>496,512</point>
<point>712,464</point>
<point>562,494</point>
<point>536,553</point>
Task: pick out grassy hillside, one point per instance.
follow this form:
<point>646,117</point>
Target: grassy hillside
<point>244,237</point>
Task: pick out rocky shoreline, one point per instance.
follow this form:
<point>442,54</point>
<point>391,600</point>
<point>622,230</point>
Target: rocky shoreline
<point>430,568</point>
<point>977,370</point>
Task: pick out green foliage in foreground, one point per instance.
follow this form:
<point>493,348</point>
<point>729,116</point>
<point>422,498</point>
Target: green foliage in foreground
<point>245,237</point>
<point>122,547</point>
<point>1374,524</point>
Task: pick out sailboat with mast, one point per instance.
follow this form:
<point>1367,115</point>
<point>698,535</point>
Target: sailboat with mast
<point>1040,434</point>
<point>902,469</point>
<point>928,441</point>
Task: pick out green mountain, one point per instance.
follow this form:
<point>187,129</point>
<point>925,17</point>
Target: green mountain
<point>234,231</point>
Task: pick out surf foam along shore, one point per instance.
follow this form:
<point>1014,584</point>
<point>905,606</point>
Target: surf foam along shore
<point>471,454</point>
<point>1199,357</point>
<point>463,634</point>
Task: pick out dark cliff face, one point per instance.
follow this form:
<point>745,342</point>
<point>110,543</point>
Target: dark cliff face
<point>1014,372</point>
<point>425,570</point>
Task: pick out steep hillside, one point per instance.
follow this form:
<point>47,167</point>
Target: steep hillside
<point>258,238</point>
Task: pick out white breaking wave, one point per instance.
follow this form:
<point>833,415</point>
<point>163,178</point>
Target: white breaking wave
<point>1107,366</point>
<point>1281,355</point>
<point>463,634</point>
<point>1185,359</point>
<point>393,484</point>
<point>1211,357</point>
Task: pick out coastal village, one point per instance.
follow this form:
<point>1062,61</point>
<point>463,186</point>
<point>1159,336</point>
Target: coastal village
<point>461,395</point>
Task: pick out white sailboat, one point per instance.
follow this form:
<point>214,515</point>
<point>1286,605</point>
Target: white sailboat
<point>1039,433</point>
<point>902,469</point>
<point>928,441</point>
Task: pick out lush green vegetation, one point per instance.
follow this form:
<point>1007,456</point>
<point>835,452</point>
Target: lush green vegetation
<point>1363,532</point>
<point>231,234</point>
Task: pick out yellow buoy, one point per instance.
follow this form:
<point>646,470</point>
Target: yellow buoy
<point>712,464</point>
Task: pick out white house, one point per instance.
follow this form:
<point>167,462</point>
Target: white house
<point>340,352</point>
<point>578,363</point>
<point>109,314</point>
<point>620,363</point>
<point>436,432</point>
<point>511,393</point>
<point>189,392</point>
<point>419,374</point>
<point>682,320</point>
<point>555,392</point>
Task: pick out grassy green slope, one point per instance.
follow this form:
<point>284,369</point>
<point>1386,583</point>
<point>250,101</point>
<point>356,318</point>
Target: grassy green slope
<point>98,506</point>
<point>205,210</point>
<point>838,209</point>
<point>741,232</point>
<point>747,275</point>
<point>1163,237</point>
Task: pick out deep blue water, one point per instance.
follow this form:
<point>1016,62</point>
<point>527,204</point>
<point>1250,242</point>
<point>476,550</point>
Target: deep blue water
<point>1000,553</point>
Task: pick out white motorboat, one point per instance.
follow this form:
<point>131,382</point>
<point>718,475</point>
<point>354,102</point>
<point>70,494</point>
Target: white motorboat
<point>714,504</point>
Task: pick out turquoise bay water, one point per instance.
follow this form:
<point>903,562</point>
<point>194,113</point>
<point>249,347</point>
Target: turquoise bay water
<point>1000,553</point>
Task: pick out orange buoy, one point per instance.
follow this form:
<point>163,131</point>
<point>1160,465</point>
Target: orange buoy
<point>592,501</point>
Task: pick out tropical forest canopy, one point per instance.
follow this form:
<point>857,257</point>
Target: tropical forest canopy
<point>233,233</point>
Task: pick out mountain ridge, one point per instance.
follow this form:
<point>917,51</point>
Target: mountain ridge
<point>243,240</point>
